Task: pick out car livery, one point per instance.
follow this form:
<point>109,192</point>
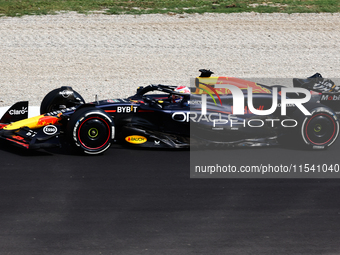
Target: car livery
<point>154,120</point>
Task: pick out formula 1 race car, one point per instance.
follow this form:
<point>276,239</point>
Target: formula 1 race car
<point>171,119</point>
<point>140,120</point>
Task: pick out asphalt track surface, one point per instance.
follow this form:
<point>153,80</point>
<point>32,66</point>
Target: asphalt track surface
<point>144,202</point>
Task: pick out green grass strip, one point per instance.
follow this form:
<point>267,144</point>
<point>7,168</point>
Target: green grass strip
<point>39,7</point>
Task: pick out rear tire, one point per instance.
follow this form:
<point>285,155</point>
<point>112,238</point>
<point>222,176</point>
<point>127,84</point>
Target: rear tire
<point>90,130</point>
<point>319,130</point>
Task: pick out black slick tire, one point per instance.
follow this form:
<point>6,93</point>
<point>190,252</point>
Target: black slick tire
<point>319,130</point>
<point>90,130</point>
<point>58,97</point>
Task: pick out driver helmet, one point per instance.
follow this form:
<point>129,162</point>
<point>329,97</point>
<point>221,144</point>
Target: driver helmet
<point>180,89</point>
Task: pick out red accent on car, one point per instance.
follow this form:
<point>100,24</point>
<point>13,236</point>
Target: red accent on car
<point>145,111</point>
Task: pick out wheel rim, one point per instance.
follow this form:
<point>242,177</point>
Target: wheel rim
<point>320,129</point>
<point>94,133</point>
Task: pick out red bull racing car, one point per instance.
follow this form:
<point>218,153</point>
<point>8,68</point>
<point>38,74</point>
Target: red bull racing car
<point>175,118</point>
<point>143,120</point>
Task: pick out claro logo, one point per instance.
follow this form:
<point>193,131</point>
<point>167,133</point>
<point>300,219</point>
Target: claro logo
<point>18,112</point>
<point>135,139</point>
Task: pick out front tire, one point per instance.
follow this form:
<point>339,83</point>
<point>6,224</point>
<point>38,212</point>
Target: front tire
<point>57,99</point>
<point>90,130</point>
